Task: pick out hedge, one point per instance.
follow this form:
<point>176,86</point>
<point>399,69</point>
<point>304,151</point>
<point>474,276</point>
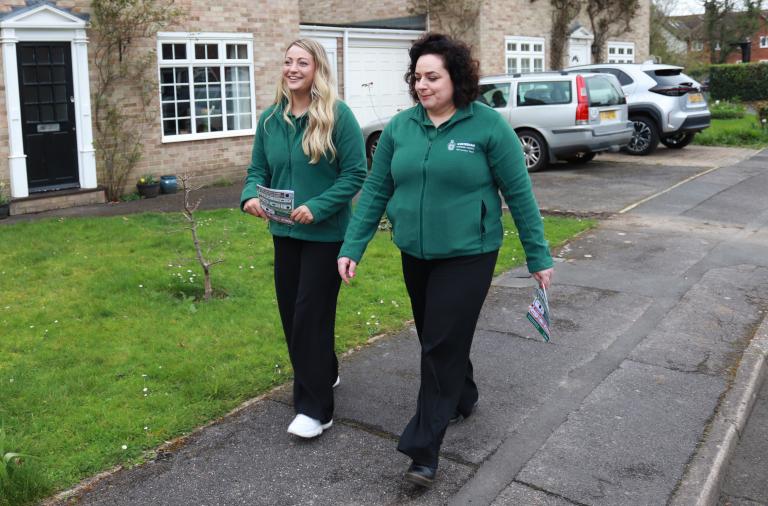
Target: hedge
<point>742,81</point>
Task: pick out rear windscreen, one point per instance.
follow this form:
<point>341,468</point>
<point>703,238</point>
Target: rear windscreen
<point>670,77</point>
<point>602,92</point>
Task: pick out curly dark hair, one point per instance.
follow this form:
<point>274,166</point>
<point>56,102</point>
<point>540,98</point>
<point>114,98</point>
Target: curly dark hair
<point>458,61</point>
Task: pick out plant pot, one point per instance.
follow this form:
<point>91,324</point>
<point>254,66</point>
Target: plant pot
<point>148,191</point>
<point>168,184</point>
<point>5,211</point>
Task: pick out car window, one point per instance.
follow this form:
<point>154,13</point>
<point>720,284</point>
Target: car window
<point>669,77</point>
<point>623,78</point>
<point>543,93</point>
<point>494,94</point>
<point>602,92</point>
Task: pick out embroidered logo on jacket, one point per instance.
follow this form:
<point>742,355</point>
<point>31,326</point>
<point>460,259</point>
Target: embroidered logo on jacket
<point>464,147</point>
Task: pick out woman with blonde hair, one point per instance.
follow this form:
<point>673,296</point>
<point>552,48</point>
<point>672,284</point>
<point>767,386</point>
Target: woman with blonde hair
<point>309,142</point>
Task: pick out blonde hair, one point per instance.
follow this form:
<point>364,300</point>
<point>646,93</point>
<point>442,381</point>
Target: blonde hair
<point>318,137</point>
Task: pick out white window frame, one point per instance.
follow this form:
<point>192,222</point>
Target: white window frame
<point>697,45</point>
<point>763,41</point>
<point>189,39</point>
<point>533,51</point>
<point>621,52</point>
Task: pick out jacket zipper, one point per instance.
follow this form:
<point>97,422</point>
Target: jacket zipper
<point>423,187</point>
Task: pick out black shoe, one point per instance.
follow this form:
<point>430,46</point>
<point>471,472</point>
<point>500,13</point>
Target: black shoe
<point>457,417</point>
<point>423,476</point>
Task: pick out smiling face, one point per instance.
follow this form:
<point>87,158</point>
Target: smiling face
<point>298,70</point>
<point>433,84</point>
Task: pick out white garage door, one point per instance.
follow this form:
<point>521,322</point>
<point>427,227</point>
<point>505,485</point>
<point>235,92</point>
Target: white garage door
<point>376,88</point>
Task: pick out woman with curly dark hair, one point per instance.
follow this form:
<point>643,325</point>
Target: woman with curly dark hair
<point>437,171</point>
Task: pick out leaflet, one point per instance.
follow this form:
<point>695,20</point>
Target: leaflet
<point>538,313</point>
<point>277,204</point>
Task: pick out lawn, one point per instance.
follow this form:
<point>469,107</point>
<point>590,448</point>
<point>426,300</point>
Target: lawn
<point>105,351</point>
<point>740,132</point>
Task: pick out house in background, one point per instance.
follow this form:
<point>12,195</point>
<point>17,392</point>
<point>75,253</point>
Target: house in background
<point>685,35</point>
<point>216,70</point>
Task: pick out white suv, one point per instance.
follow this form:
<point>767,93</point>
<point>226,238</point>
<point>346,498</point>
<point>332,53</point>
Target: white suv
<point>664,104</point>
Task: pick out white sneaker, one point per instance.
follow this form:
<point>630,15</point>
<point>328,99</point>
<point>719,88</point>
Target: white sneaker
<point>338,381</point>
<point>306,427</point>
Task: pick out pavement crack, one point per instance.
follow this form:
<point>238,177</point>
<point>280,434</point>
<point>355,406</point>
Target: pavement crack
<point>548,493</point>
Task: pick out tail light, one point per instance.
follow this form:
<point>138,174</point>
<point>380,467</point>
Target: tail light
<point>582,105</point>
<point>673,91</point>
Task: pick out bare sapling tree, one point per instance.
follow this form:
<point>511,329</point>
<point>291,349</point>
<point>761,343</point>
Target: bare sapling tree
<point>124,88</point>
<point>563,12</point>
<point>189,213</point>
<point>457,18</point>
<point>609,18</point>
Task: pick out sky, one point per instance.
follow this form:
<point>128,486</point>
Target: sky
<point>688,7</point>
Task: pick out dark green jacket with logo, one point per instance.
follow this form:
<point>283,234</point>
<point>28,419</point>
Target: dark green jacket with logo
<point>326,188</point>
<point>440,188</point>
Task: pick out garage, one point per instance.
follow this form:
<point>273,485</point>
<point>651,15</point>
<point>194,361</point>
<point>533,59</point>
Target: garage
<point>370,65</point>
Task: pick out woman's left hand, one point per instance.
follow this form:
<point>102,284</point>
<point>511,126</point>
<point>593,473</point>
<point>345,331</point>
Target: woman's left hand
<point>302,215</point>
<point>544,278</point>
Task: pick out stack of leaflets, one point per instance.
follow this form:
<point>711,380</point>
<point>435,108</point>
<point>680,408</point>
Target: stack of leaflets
<point>538,313</point>
<point>277,204</point>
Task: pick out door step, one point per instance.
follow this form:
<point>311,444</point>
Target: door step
<point>60,199</point>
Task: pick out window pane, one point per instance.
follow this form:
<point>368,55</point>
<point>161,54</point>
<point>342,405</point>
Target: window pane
<point>57,55</point>
<point>46,113</point>
<point>243,90</point>
<point>169,127</point>
<point>59,74</point>
<point>30,95</point>
<point>60,94</point>
<point>199,74</point>
<point>167,51</point>
<point>201,107</point>
<point>511,46</point>
<point>213,51</point>
<point>180,51</point>
<point>27,54</point>
<point>214,106</point>
<point>214,74</point>
<point>166,76</point>
<point>216,124</point>
<point>629,50</point>
<point>30,75</point>
<point>185,126</point>
<point>525,65</point>
<point>214,91</point>
<point>183,109</point>
<point>182,92</point>
<point>169,110</point>
<point>182,75</point>
<point>538,65</point>
<point>201,125</point>
<point>537,48</point>
<point>61,112</point>
<point>42,55</point>
<point>201,91</point>
<point>242,74</point>
<point>231,52</point>
<point>621,50</point>
<point>46,94</point>
<point>611,50</point>
<point>200,51</point>
<point>166,93</point>
<point>242,51</point>
<point>525,47</point>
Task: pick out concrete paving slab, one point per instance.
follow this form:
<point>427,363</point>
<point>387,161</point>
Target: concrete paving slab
<point>576,322</point>
<point>518,494</point>
<point>252,460</point>
<point>603,187</point>
<point>630,440</point>
<point>700,156</point>
<point>710,327</point>
<point>514,377</point>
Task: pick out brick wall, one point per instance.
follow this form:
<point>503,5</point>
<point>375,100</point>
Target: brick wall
<point>273,24</point>
<point>329,12</point>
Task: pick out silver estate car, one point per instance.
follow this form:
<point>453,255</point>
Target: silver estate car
<point>557,116</point>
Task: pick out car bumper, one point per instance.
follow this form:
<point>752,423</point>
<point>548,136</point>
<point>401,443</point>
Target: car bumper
<point>696,123</point>
<point>569,141</point>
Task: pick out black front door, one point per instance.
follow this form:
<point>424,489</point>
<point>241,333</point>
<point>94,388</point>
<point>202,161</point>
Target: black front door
<point>48,115</point>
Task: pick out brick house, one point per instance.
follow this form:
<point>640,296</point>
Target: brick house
<point>232,51</point>
<point>685,34</point>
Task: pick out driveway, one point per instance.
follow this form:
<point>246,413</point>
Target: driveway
<point>615,182</point>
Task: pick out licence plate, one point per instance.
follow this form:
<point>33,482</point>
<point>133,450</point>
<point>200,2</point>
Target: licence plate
<point>695,98</point>
<point>605,115</point>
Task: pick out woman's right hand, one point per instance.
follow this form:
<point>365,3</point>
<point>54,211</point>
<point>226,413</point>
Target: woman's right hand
<point>346,268</point>
<point>252,206</point>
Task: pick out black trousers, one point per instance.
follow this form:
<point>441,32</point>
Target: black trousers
<point>446,297</point>
<point>307,283</point>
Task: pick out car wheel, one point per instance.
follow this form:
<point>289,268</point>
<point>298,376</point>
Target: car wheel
<point>645,138</point>
<point>534,149</point>
<point>679,140</point>
<point>580,158</point>
<point>370,145</point>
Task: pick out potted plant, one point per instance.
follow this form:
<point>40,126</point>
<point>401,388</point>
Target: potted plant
<point>148,186</point>
<point>5,202</point>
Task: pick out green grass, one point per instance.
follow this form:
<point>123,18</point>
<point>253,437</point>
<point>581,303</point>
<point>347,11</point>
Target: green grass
<point>105,351</point>
<point>742,132</point>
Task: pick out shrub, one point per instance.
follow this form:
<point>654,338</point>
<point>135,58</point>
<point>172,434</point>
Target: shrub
<point>722,109</point>
<point>746,81</point>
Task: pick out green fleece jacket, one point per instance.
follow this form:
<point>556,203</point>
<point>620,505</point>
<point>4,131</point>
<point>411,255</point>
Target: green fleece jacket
<point>440,188</point>
<point>326,188</point>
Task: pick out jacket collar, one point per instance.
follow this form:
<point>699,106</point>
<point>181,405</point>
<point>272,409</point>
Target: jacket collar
<point>419,114</point>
